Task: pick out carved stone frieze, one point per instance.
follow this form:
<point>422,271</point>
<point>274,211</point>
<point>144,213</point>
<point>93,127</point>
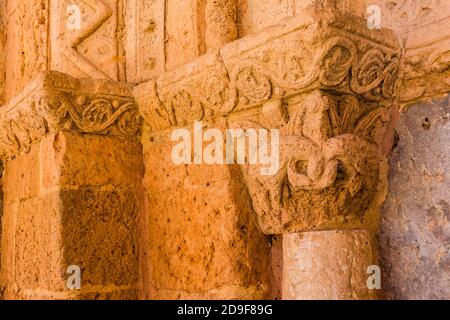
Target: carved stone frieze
<point>330,155</point>
<point>422,25</point>
<point>311,51</point>
<point>55,101</point>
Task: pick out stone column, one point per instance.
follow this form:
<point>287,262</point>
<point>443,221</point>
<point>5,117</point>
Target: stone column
<point>328,84</point>
<point>326,265</point>
<point>324,200</point>
<point>73,171</point>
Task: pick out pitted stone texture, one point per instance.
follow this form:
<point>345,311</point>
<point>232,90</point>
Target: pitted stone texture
<point>99,234</point>
<point>326,265</point>
<point>72,211</point>
<point>145,39</point>
<point>27,43</point>
<point>2,50</point>
<point>414,238</point>
<point>202,237</point>
<point>184,41</point>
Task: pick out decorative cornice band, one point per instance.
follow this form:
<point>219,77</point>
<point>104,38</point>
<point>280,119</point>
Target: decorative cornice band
<point>55,101</point>
<point>327,50</point>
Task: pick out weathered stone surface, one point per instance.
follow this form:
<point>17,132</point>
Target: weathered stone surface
<point>95,48</point>
<point>313,69</point>
<point>2,287</point>
<point>99,234</point>
<point>183,34</point>
<point>330,166</point>
<point>55,101</point>
<point>72,210</point>
<point>2,50</point>
<point>145,39</point>
<point>287,59</point>
<point>423,28</point>
<point>414,237</point>
<point>232,260</point>
<point>27,43</point>
<point>329,265</point>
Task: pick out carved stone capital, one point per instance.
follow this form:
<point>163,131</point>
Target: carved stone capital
<point>328,83</point>
<point>319,49</point>
<point>331,162</point>
<point>55,101</point>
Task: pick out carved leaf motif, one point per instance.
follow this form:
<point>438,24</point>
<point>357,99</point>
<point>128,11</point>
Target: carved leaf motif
<point>97,114</point>
<point>131,122</point>
<point>220,95</point>
<point>337,59</point>
<point>253,84</point>
<point>184,108</point>
<point>327,154</point>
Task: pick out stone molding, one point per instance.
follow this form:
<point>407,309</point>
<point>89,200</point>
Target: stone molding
<point>55,101</point>
<point>324,49</point>
<point>422,26</point>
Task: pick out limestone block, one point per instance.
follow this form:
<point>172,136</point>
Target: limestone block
<point>356,8</point>
<point>27,43</point>
<point>231,261</point>
<point>327,265</point>
<point>85,222</point>
<point>220,20</point>
<point>2,50</point>
<point>38,258</point>
<point>184,40</point>
<point>21,178</point>
<point>423,27</point>
<point>414,235</point>
<point>255,15</point>
<point>145,34</point>
<point>99,234</point>
<point>74,160</point>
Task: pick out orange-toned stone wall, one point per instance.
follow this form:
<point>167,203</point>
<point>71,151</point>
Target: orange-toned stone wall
<point>139,226</point>
<point>64,208</point>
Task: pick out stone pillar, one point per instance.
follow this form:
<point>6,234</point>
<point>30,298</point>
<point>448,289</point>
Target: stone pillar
<point>72,179</point>
<point>331,93</point>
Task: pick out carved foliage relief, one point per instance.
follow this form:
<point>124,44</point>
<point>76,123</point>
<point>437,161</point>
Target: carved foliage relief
<point>329,165</point>
<point>58,102</point>
<point>288,65</point>
<point>423,27</point>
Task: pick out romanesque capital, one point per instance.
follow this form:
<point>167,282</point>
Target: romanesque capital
<point>331,166</point>
<point>328,83</point>
<point>55,101</point>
